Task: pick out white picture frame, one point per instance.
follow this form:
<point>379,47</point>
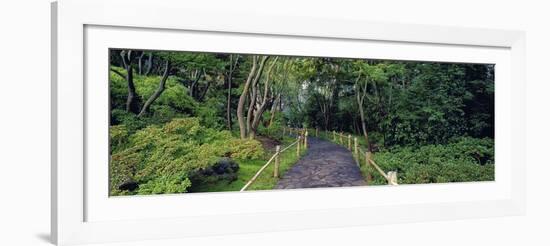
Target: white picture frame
<point>82,212</point>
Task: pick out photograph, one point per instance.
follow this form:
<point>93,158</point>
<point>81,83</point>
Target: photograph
<point>188,122</point>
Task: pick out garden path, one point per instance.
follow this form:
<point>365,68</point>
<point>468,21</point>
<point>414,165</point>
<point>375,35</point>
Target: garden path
<point>325,165</point>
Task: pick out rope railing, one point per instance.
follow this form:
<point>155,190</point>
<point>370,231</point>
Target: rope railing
<point>288,147</point>
<point>337,137</point>
<point>391,176</point>
<point>340,137</point>
<point>299,142</point>
<point>291,130</point>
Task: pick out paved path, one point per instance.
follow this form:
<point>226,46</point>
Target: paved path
<point>324,165</point>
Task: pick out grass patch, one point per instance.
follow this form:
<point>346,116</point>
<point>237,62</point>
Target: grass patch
<point>248,168</point>
<point>370,174</point>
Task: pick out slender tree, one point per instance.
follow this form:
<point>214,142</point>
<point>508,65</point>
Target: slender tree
<point>195,76</point>
<point>360,94</point>
<point>253,76</point>
<point>158,91</point>
<point>262,103</point>
<point>132,100</point>
<point>233,61</point>
<point>149,64</point>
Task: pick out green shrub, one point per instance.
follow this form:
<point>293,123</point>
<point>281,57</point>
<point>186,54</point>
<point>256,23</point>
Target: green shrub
<point>246,149</point>
<point>118,136</point>
<point>275,129</point>
<point>122,168</point>
<point>463,160</point>
<point>161,158</point>
<point>164,185</point>
<point>210,112</point>
<point>162,114</point>
<point>130,121</point>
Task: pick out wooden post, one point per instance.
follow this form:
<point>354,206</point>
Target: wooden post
<point>356,149</point>
<point>367,163</point>
<point>392,177</point>
<point>367,157</point>
<point>305,140</point>
<point>316,132</point>
<point>298,145</point>
<point>349,141</point>
<point>284,130</point>
<point>277,161</point>
<point>341,141</point>
<point>334,136</point>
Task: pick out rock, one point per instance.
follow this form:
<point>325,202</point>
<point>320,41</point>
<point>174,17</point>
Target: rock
<point>207,171</point>
<point>128,185</point>
<point>225,165</point>
<point>224,169</point>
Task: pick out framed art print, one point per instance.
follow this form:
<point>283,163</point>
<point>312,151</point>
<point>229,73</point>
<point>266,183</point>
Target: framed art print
<point>184,125</point>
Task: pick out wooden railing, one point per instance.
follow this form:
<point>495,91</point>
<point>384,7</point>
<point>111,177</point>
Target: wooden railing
<point>301,142</point>
<point>390,176</point>
<point>337,137</point>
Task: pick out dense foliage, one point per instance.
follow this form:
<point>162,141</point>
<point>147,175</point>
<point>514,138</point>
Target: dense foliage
<point>183,121</point>
<point>165,158</point>
<point>464,159</point>
<point>406,103</point>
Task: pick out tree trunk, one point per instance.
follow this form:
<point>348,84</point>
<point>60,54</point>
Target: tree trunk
<point>140,59</point>
<point>132,101</point>
<point>360,98</point>
<point>232,67</point>
<point>274,108</point>
<point>364,127</point>
<point>157,92</point>
<point>251,106</point>
<point>149,64</point>
<point>196,76</point>
<point>253,96</point>
<point>203,94</point>
<point>253,76</point>
<point>228,109</point>
<point>261,109</point>
<point>324,112</point>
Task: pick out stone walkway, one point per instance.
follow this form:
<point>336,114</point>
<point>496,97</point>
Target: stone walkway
<point>324,165</point>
